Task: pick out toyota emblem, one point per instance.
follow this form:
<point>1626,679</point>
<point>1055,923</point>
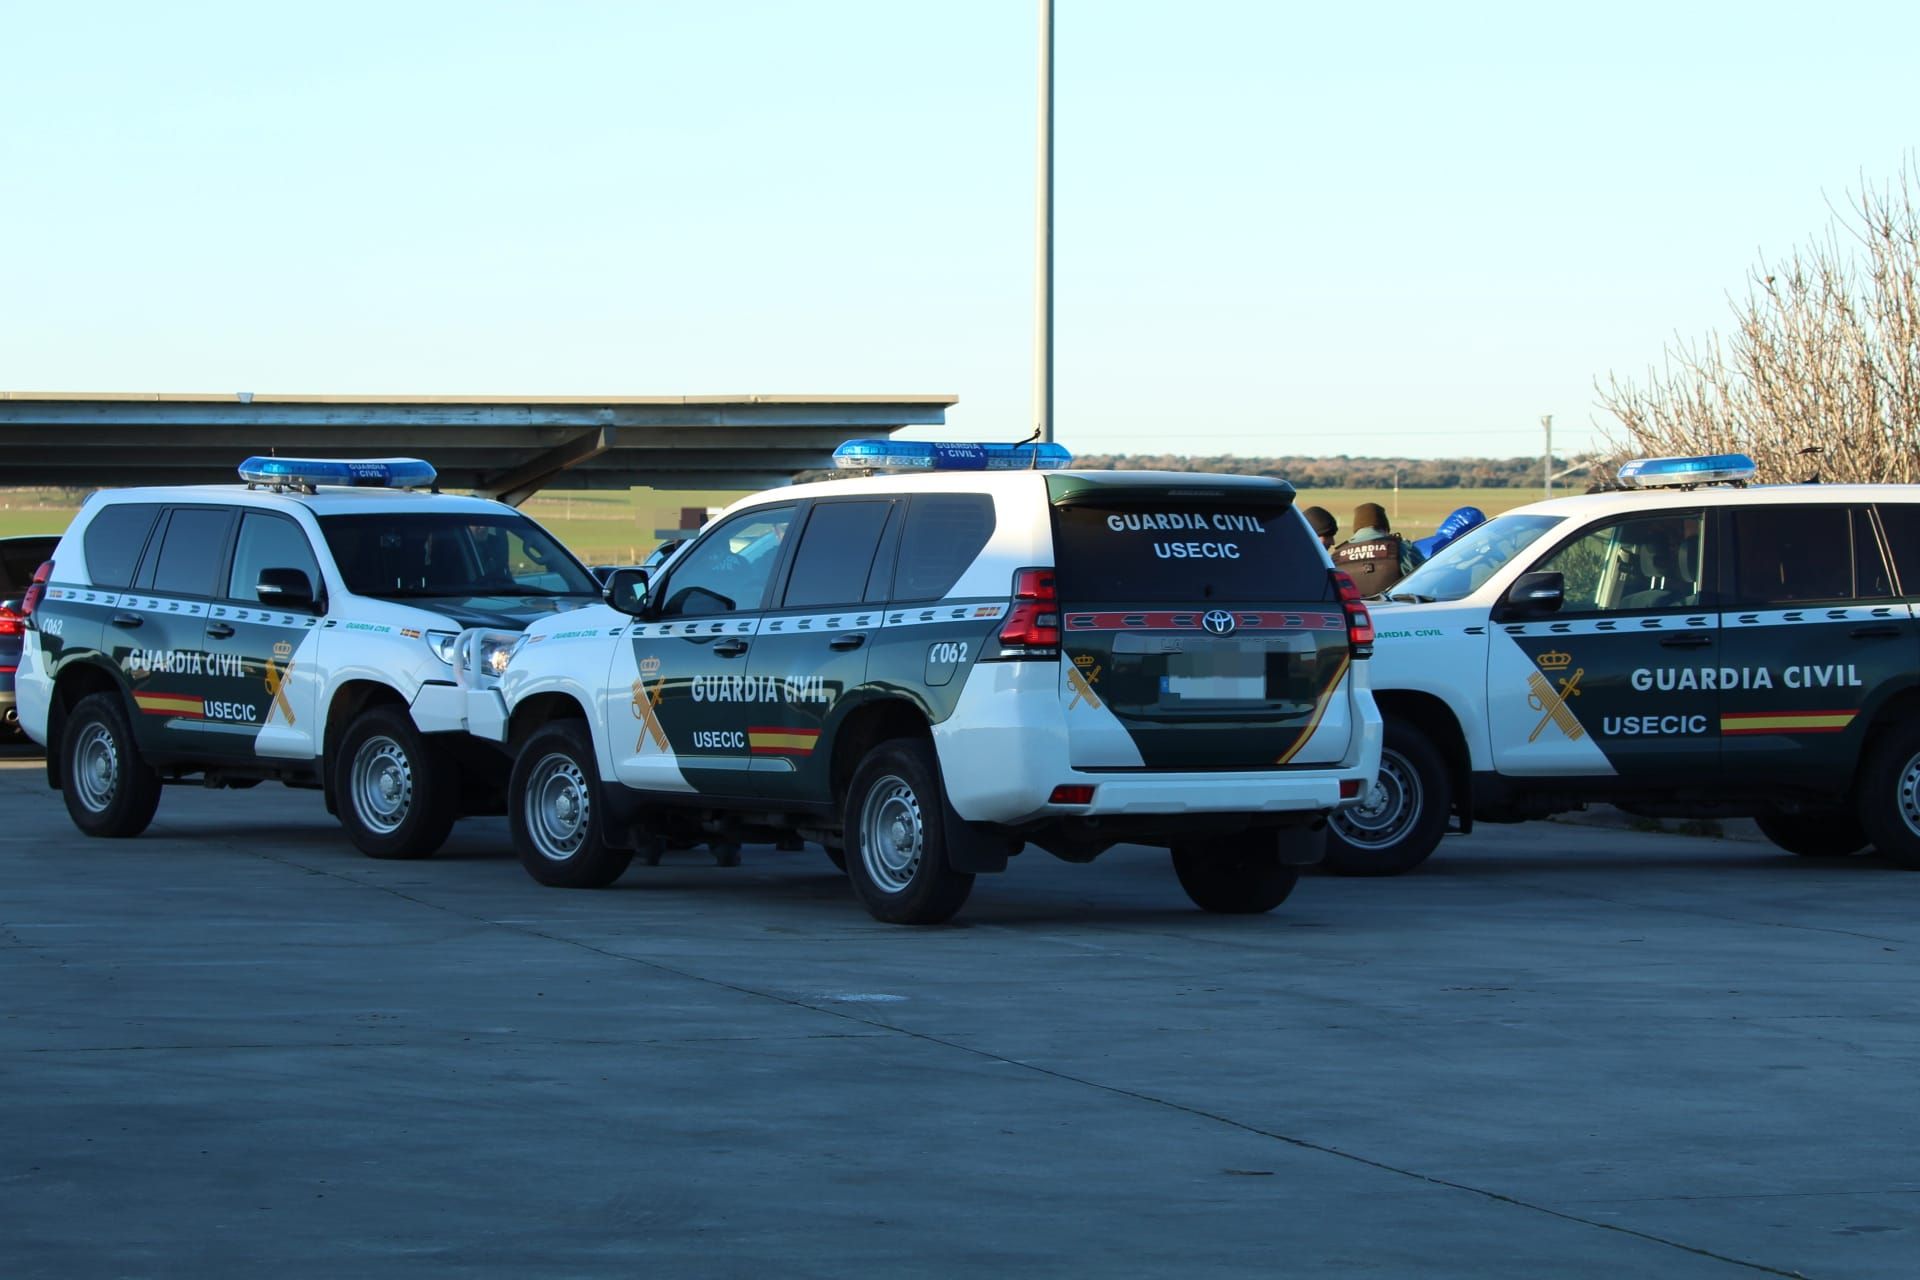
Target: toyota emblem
<point>1217,622</point>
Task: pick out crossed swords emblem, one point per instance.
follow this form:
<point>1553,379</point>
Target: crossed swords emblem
<point>1553,704</point>
<point>644,701</point>
<point>276,678</point>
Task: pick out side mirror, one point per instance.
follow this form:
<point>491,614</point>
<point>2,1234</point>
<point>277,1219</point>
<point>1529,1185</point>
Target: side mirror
<point>626,590</point>
<point>1537,593</point>
<point>285,588</point>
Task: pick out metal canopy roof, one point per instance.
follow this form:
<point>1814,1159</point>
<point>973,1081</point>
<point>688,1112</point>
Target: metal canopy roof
<point>505,447</point>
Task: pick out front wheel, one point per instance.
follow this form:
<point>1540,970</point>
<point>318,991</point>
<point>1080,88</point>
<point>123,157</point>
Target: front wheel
<point>110,791</point>
<point>896,847</point>
<point>1403,814</point>
<point>396,795</point>
<point>555,811</point>
<point>1827,834</point>
<point>1237,882</point>
<point>1888,798</point>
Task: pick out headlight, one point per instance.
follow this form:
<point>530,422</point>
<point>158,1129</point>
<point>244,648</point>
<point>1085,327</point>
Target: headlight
<point>497,651</point>
<point>442,643</point>
<point>480,657</point>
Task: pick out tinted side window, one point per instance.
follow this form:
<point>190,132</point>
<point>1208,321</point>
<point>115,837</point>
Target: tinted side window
<point>1901,520</point>
<point>731,567</point>
<point>1644,562</point>
<point>114,539</point>
<point>1783,555</point>
<point>269,542</point>
<point>944,532</point>
<point>192,549</point>
<point>835,553</point>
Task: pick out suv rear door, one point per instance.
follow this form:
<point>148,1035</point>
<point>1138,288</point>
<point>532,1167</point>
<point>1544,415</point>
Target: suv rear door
<point>1199,627</point>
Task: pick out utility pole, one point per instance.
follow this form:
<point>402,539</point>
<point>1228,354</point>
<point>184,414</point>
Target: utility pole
<point>1546,463</point>
<point>1043,239</point>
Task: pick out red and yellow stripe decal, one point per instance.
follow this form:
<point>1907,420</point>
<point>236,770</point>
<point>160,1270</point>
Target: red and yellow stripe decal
<point>181,706</point>
<point>773,740</point>
<point>1733,722</point>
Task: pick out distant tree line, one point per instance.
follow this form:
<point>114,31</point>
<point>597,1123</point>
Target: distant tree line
<point>1342,472</point>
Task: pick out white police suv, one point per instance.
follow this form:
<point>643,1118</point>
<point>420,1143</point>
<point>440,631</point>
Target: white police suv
<point>928,669</point>
<point>1689,646</point>
<point>297,627</point>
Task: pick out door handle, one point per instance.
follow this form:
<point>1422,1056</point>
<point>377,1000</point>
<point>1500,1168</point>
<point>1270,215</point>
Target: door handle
<point>1876,631</point>
<point>1686,640</point>
<point>852,640</point>
<point>730,648</point>
<point>219,631</point>
<point>127,619</point>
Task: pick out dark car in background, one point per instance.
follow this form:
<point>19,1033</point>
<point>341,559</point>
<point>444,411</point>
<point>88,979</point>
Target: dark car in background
<point>19,558</point>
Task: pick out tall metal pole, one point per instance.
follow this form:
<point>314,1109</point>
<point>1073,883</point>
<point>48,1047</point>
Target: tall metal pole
<point>1043,239</point>
<point>1546,459</point>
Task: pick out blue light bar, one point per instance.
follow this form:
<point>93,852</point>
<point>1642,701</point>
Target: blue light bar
<point>306,473</point>
<point>929,455</point>
<point>1664,473</point>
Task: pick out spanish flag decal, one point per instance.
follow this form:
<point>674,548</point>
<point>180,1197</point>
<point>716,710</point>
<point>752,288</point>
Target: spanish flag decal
<point>768,740</point>
<point>181,706</point>
<point>1785,721</point>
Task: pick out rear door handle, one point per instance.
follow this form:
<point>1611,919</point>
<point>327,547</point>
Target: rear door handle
<point>127,619</point>
<point>1877,631</point>
<point>730,648</point>
<point>852,640</point>
<point>219,631</point>
<point>1686,640</point>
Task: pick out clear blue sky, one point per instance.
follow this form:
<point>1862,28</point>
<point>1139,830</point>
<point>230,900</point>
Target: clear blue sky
<point>1309,229</point>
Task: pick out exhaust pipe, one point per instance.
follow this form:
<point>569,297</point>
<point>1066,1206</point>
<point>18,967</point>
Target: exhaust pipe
<point>13,717</point>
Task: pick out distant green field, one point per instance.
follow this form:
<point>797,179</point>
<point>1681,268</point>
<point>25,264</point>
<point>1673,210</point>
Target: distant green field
<point>619,528</point>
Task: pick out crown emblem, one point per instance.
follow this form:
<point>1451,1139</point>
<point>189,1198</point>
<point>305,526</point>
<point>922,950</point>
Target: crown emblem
<point>1554,660</point>
<point>283,648</point>
<point>649,665</point>
<point>1084,660</point>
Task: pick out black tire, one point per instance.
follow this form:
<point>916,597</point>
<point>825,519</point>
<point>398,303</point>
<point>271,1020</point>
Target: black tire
<point>395,792</point>
<point>109,789</point>
<point>1887,798</point>
<point>838,857</point>
<point>1404,815</point>
<point>1833,834</point>
<point>556,811</point>
<point>1243,881</point>
<point>896,847</point>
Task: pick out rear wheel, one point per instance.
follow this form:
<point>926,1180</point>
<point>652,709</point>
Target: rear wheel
<point>397,795</point>
<point>1243,882</point>
<point>1827,834</point>
<point>1888,798</point>
<point>896,848</point>
<point>556,813</point>
<point>1400,819</point>
<point>110,791</point>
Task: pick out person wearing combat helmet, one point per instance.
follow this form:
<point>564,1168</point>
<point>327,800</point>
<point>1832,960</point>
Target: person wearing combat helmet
<point>1325,527</point>
<point>1375,555</point>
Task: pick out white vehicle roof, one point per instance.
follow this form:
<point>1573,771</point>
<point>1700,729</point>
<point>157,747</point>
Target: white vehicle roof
<point>994,482</point>
<point>1588,505</point>
<point>326,500</point>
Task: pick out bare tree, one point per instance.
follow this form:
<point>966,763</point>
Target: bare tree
<point>1820,373</point>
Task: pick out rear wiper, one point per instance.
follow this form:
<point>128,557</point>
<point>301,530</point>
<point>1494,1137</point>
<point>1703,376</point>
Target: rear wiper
<point>1412,597</point>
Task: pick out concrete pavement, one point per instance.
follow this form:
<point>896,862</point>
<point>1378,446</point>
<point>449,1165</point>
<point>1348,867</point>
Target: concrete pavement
<point>235,1046</point>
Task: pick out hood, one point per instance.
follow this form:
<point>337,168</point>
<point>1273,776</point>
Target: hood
<point>505,613</point>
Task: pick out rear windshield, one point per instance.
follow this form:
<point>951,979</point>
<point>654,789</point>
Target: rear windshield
<point>1186,553</point>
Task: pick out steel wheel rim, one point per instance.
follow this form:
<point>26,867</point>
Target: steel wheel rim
<point>558,807</point>
<point>892,834</point>
<point>1388,810</point>
<point>1910,795</point>
<point>96,767</point>
<point>382,784</point>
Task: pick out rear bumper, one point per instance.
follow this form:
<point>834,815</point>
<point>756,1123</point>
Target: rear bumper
<point>1004,750</point>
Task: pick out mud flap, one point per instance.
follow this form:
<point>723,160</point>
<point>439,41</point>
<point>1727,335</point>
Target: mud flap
<point>975,848</point>
<point>1303,846</point>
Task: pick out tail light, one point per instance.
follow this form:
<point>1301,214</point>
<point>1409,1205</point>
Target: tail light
<point>37,590</point>
<point>1359,621</point>
<point>1034,620</point>
<point>12,621</point>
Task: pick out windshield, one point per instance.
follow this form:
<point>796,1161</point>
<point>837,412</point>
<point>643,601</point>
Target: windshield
<point>393,556</point>
<point>1462,566</point>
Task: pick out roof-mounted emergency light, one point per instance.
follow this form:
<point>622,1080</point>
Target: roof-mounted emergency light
<point>308,473</point>
<point>929,455</point>
<point>1671,473</point>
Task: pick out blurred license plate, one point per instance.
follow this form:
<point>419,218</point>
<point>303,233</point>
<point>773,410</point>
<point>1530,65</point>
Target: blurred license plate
<point>1227,673</point>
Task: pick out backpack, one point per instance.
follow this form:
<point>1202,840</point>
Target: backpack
<point>1374,564</point>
